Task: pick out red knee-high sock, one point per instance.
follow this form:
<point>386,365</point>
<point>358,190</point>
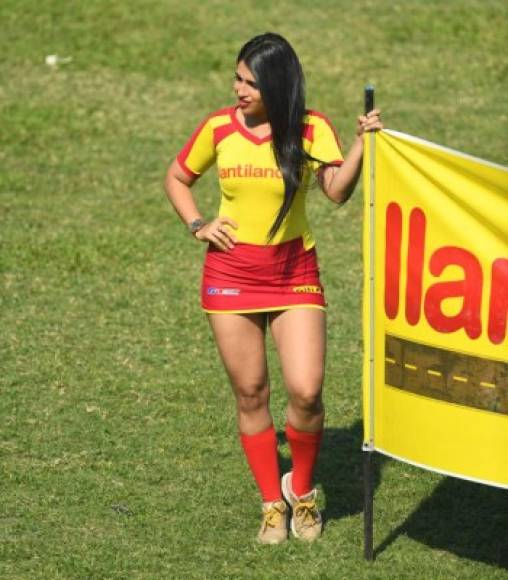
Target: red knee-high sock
<point>261,452</point>
<point>304,450</point>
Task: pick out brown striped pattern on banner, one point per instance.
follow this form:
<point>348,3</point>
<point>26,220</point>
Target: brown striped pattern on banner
<point>446,375</point>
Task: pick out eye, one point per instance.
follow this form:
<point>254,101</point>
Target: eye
<point>253,84</point>
<point>238,78</point>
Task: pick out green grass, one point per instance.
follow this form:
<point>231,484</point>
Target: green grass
<point>118,440</point>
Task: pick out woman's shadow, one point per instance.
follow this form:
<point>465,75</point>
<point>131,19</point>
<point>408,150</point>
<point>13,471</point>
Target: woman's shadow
<point>467,519</point>
<point>339,470</point>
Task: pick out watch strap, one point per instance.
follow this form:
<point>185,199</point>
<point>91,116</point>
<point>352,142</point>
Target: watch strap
<point>196,225</point>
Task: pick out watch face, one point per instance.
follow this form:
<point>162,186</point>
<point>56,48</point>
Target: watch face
<point>196,225</point>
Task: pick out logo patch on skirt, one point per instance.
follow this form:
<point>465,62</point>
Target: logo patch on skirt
<point>308,289</point>
<point>211,291</point>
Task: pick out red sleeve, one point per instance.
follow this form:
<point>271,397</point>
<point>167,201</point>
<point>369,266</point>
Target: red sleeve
<point>198,154</point>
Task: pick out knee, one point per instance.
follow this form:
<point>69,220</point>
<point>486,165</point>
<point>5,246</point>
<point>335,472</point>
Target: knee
<point>251,397</point>
<point>307,401</point>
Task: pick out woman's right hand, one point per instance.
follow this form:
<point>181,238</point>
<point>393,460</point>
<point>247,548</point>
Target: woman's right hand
<point>218,233</point>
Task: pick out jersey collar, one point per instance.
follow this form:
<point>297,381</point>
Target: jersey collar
<point>245,132</point>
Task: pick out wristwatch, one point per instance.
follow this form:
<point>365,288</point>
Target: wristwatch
<point>196,225</point>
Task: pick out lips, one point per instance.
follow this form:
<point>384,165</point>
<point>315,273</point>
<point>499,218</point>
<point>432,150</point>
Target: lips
<point>243,103</point>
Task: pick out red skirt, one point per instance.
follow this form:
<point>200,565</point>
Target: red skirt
<point>254,278</point>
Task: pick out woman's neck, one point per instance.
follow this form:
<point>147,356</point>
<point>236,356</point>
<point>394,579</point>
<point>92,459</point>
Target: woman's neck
<point>253,121</point>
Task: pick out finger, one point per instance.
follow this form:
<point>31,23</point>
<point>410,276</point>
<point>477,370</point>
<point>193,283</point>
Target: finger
<point>224,238</point>
<point>224,229</point>
<point>218,243</point>
<point>375,127</point>
<point>231,237</point>
<point>374,113</point>
<point>223,232</point>
<point>226,220</point>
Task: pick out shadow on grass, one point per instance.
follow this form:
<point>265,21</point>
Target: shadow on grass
<point>339,470</point>
<point>468,519</point>
<point>464,518</point>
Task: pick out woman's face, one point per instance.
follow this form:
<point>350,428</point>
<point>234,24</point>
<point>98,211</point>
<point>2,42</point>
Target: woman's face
<point>247,91</point>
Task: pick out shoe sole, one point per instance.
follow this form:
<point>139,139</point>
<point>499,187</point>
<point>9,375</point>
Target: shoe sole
<point>287,496</point>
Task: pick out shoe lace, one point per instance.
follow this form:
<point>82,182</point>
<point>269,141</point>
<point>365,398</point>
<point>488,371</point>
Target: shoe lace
<point>306,513</point>
<point>272,517</point>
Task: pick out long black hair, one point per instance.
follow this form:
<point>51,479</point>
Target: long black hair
<point>279,76</point>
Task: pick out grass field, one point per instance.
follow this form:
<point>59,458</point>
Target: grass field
<point>120,457</point>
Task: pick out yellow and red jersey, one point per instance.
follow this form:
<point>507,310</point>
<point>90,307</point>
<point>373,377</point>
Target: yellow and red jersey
<point>252,188</point>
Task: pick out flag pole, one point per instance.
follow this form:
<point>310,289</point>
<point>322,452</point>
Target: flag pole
<point>368,447</point>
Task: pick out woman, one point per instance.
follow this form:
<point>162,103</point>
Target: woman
<point>261,267</point>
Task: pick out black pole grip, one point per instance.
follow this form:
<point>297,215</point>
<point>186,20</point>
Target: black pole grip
<point>369,98</point>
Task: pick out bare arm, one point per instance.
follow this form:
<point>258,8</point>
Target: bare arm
<point>177,185</point>
<point>338,183</point>
<point>178,189</point>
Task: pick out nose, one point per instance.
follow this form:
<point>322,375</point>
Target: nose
<point>240,93</point>
<point>239,88</point>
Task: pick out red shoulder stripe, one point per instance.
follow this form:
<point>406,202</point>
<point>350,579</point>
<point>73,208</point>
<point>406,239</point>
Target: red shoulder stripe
<point>184,153</point>
<point>327,121</point>
<point>308,132</point>
<point>220,133</point>
<point>220,112</point>
<point>185,169</point>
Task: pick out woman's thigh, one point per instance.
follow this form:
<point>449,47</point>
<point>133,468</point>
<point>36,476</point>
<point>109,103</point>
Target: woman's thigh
<point>300,337</point>
<point>240,340</point>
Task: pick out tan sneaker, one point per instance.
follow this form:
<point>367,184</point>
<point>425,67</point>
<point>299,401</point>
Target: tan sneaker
<point>274,527</point>
<point>306,521</point>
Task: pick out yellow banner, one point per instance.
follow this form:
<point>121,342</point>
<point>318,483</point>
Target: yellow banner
<point>436,307</point>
